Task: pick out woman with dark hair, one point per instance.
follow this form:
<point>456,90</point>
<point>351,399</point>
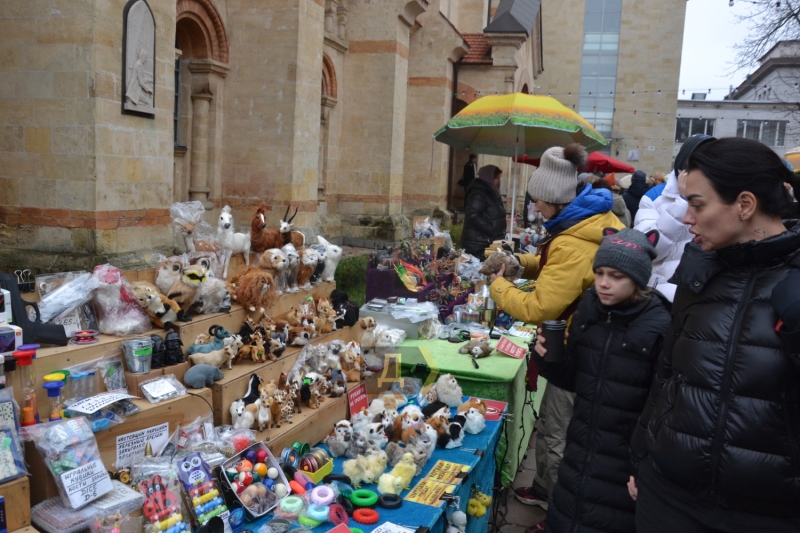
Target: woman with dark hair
<point>484,213</point>
<point>718,444</point>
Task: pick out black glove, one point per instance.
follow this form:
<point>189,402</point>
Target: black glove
<point>786,300</point>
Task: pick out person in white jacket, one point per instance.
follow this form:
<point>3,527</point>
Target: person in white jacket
<point>665,214</point>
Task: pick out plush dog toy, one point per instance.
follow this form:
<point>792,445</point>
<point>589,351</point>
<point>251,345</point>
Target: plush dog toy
<point>162,311</point>
<point>477,348</point>
<point>500,258</point>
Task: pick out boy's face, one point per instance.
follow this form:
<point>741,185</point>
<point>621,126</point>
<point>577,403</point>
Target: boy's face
<point>613,286</point>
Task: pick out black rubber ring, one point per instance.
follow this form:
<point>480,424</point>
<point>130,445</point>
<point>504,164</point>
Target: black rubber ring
<point>390,501</point>
<point>288,469</point>
<point>330,478</point>
<point>349,508</point>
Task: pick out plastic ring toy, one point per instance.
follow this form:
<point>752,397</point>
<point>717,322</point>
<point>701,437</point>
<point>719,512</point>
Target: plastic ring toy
<point>308,521</point>
<point>344,489</point>
<point>338,515</point>
<point>356,530</point>
<point>337,477</point>
<point>322,495</point>
<point>363,498</point>
<point>390,501</point>
<point>297,487</point>
<point>301,447</point>
<point>318,512</point>
<point>366,516</point>
<point>346,504</point>
<point>291,504</point>
<point>302,478</point>
<point>279,525</point>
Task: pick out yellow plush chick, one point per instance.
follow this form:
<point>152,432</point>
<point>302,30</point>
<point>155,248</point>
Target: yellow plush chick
<point>474,508</point>
<point>405,469</point>
<point>355,470</point>
<point>483,499</point>
<point>376,464</point>
<point>388,484</point>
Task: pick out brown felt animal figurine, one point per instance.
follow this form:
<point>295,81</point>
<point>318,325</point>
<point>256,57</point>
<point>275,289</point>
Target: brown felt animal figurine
<point>477,348</point>
<point>273,261</point>
<point>261,237</point>
<point>300,336</point>
<point>256,290</point>
<point>295,318</point>
<point>185,290</point>
<point>255,351</point>
<point>308,263</point>
<point>271,347</point>
<point>275,406</point>
<point>477,403</point>
<point>323,306</point>
<point>501,258</point>
<point>439,423</point>
<point>268,387</point>
<point>162,311</point>
<point>283,382</point>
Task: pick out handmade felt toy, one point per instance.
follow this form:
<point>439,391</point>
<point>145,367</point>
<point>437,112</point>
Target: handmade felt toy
<point>275,262</point>
<point>254,350</point>
<point>358,471</point>
<point>359,446</point>
<point>499,259</point>
<point>368,324</point>
<point>185,290</point>
<point>263,238</point>
<point>168,272</point>
<point>290,274</point>
<point>389,484</point>
<point>253,389</point>
<point>322,255</point>
<point>333,256</point>
<point>215,358</point>
<point>275,406</point>
<point>309,258</point>
<point>475,421</point>
<point>291,237</point>
<point>448,390</point>
<point>340,440</point>
<point>243,416</point>
<point>256,290</point>
<point>431,436</point>
<point>477,348</point>
<point>162,311</point>
<point>477,403</point>
<point>300,336</point>
<point>374,432</point>
<point>376,464</point>
<point>218,342</point>
<point>231,242</point>
<point>454,435</point>
<point>200,376</point>
<point>173,353</point>
<point>439,424</point>
<point>213,296</point>
<point>263,413</point>
<point>405,469</point>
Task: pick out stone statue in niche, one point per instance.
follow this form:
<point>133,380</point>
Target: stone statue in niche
<point>139,59</point>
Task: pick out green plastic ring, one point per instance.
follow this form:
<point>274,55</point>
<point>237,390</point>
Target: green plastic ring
<point>301,447</point>
<point>291,504</point>
<point>356,530</point>
<point>364,498</point>
<point>309,522</point>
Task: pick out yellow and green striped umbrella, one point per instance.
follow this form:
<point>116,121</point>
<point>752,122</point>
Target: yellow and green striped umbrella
<point>517,124</point>
<point>793,157</point>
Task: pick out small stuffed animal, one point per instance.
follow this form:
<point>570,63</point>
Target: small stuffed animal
<point>243,416</point>
<point>200,376</point>
<point>216,358</point>
<point>454,435</point>
<point>448,391</point>
<point>300,336</point>
<point>263,413</point>
<point>368,324</point>
<point>500,258</point>
<point>477,403</point>
<point>405,469</point>
<point>161,310</point>
<point>185,290</point>
<point>168,273</point>
<point>357,470</point>
<point>477,348</point>
<point>458,522</point>
<point>389,484</point>
<point>173,352</point>
<point>358,446</point>
<point>333,256</point>
<point>339,441</point>
<point>475,422</point>
<point>275,406</point>
<point>374,432</point>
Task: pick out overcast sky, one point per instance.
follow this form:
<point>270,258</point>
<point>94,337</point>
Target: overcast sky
<point>708,51</point>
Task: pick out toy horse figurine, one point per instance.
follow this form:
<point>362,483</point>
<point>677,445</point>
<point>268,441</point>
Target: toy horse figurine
<point>230,242</point>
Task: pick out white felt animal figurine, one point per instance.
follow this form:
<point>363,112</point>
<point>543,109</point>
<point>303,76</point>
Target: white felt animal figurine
<point>458,522</point>
<point>475,421</point>
<point>389,484</point>
<point>294,265</point>
<point>432,435</point>
<point>262,416</point>
<point>375,433</point>
<point>405,469</point>
<point>333,256</point>
<point>368,324</point>
<point>454,436</point>
<point>216,358</point>
<point>243,416</point>
<point>231,242</point>
<point>448,390</point>
<point>358,471</point>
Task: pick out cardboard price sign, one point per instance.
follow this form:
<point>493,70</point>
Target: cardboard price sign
<point>86,483</point>
<point>132,445</point>
<point>358,399</point>
<point>447,472</point>
<point>510,349</point>
<point>429,492</point>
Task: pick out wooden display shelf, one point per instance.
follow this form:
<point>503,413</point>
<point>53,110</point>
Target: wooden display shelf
<point>176,411</point>
<point>26,529</point>
<point>17,494</point>
<point>234,383</point>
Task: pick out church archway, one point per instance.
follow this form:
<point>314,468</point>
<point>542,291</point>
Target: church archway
<point>199,28</point>
<point>329,84</point>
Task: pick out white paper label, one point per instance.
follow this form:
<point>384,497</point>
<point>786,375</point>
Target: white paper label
<point>159,388</point>
<point>116,498</point>
<point>71,321</point>
<point>92,404</point>
<point>388,527</point>
<point>131,445</point>
<point>86,483</point>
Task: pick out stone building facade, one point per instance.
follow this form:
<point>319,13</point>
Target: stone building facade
<point>617,62</point>
<point>327,106</point>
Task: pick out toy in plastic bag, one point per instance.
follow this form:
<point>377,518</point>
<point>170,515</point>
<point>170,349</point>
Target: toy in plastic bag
<point>431,329</point>
<point>187,222</point>
<point>116,523</point>
<point>52,517</point>
<point>157,480</point>
<point>199,484</point>
<point>80,316</point>
<point>69,451</point>
<point>162,388</point>
<point>11,464</point>
<point>67,300</point>
<point>117,309</point>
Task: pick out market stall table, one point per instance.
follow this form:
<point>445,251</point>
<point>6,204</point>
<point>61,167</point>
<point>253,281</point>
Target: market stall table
<point>499,377</point>
<point>477,452</point>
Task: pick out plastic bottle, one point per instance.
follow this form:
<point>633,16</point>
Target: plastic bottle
<point>30,411</point>
<point>56,401</point>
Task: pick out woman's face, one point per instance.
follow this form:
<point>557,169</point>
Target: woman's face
<point>714,223</point>
<point>613,286</point>
<point>497,175</point>
<point>548,211</point>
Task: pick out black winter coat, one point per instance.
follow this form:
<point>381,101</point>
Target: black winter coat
<point>609,364</point>
<point>723,419</point>
<point>484,218</point>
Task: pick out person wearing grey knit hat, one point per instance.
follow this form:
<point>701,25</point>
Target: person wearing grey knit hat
<point>628,252</point>
<point>556,179</point>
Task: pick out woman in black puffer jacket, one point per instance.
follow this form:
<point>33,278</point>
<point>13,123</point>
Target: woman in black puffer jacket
<point>614,339</point>
<point>722,426</point>
<point>484,214</point>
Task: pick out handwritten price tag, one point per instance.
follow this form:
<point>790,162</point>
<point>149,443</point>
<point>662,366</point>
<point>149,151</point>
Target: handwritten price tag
<point>159,388</point>
<point>510,349</point>
<point>86,483</point>
<point>90,405</point>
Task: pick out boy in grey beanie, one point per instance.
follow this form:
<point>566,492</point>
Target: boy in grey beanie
<point>628,251</point>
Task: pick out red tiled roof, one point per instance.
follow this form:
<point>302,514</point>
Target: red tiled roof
<point>480,53</point>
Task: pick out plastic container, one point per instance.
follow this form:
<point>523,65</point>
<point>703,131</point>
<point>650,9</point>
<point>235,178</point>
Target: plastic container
<point>30,410</point>
<point>138,354</point>
<point>232,499</point>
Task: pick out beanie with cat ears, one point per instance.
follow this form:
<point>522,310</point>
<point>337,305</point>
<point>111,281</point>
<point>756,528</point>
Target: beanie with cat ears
<point>629,251</point>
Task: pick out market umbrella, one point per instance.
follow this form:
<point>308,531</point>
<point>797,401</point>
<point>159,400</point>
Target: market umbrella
<point>793,157</point>
<point>514,124</point>
<point>597,161</point>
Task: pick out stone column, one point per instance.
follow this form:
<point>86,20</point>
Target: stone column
<point>504,49</point>
<point>198,186</point>
<point>330,15</point>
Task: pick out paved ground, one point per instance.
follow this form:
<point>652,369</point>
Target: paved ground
<point>513,516</point>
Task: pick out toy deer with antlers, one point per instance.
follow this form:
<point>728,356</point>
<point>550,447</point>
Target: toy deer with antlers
<point>294,237</point>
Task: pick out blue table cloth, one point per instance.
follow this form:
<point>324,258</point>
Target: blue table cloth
<point>411,514</point>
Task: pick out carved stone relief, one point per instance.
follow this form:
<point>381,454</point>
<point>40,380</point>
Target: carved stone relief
<point>138,59</point>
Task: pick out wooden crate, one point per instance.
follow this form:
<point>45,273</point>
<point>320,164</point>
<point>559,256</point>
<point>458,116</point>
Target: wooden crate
<point>234,385</point>
<point>18,502</point>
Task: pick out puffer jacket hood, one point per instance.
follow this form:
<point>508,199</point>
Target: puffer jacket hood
<point>484,217</point>
<point>608,364</point>
<point>723,420</point>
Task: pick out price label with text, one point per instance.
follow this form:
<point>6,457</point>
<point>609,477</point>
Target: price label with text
<point>509,348</point>
<point>358,399</point>
<point>86,483</point>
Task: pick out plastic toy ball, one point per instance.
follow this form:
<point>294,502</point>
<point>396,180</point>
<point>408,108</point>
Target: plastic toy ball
<point>272,473</point>
<point>238,486</point>
<point>280,490</point>
<point>261,456</point>
<point>260,469</point>
<point>231,473</point>
<point>257,478</point>
<point>245,478</point>
<point>244,466</point>
<point>250,455</point>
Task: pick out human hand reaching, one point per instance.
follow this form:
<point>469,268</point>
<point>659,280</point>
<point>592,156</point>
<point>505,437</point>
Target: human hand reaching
<point>498,274</point>
<point>633,490</point>
<point>539,348</point>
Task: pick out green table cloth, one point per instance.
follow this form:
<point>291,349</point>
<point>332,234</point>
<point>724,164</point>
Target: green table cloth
<point>499,377</point>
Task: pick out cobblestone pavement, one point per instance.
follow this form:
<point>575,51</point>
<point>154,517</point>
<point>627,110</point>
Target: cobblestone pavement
<point>513,516</point>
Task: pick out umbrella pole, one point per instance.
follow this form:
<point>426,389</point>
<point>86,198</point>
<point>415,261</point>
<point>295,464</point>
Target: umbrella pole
<point>514,189</point>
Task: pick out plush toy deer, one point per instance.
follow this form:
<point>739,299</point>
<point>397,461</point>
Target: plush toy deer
<point>261,237</point>
<point>230,242</point>
<point>291,237</point>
